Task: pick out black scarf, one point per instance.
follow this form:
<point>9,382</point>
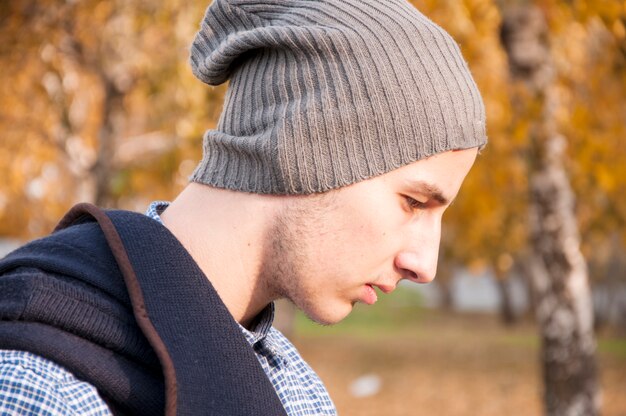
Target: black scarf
<point>121,304</point>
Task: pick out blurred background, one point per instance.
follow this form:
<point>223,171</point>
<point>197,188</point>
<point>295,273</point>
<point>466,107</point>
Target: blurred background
<point>98,104</point>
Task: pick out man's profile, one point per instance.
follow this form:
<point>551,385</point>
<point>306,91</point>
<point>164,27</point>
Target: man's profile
<point>347,129</point>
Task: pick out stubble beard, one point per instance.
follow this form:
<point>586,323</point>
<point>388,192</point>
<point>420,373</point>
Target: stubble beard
<point>285,263</point>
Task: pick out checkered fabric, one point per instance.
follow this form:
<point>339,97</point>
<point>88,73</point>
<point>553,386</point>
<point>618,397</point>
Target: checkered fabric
<point>30,384</point>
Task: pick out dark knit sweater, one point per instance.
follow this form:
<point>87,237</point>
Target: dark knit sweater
<point>150,333</point>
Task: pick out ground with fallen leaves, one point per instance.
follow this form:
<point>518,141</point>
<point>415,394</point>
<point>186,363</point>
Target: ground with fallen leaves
<point>444,364</point>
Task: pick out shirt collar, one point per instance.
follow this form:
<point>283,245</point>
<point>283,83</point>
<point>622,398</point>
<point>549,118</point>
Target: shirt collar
<point>155,210</point>
<point>265,319</point>
<point>262,327</point>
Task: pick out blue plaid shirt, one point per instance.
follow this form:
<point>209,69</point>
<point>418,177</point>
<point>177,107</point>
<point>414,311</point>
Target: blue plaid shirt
<point>30,384</point>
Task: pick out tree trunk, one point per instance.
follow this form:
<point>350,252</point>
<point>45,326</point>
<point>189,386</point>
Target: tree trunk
<point>507,313</point>
<point>559,272</point>
<point>444,282</point>
<point>524,270</point>
<point>102,169</point>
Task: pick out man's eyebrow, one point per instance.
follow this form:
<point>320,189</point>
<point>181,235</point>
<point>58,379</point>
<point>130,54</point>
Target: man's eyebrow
<point>430,190</point>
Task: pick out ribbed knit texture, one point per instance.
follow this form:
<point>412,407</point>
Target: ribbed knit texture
<point>326,93</point>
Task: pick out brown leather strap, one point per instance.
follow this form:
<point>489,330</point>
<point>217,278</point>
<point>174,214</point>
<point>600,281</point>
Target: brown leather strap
<point>85,210</point>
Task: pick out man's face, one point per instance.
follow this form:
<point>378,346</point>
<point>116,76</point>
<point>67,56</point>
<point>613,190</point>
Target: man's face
<point>326,252</point>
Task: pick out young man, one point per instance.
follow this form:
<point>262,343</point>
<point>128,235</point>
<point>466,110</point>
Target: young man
<point>347,130</point>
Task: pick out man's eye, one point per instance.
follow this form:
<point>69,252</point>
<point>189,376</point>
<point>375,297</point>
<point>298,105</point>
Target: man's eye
<point>415,204</point>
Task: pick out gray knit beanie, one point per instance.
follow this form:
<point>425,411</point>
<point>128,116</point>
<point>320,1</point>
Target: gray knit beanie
<point>326,93</point>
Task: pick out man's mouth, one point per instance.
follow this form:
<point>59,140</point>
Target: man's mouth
<point>369,295</point>
<point>384,288</point>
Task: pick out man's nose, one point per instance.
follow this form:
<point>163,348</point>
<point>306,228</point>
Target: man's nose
<point>418,260</point>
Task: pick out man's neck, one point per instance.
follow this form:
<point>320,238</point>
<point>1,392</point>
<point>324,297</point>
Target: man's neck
<point>224,231</point>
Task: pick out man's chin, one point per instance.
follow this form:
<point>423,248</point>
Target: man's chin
<point>328,317</point>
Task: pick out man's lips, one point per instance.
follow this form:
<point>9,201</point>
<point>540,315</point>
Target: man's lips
<point>369,295</point>
<point>386,289</point>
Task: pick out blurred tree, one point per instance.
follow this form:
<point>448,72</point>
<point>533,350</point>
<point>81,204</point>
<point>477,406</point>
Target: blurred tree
<point>86,81</point>
<point>564,309</point>
<point>482,230</point>
<point>593,68</point>
<point>485,227</point>
<point>62,59</point>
